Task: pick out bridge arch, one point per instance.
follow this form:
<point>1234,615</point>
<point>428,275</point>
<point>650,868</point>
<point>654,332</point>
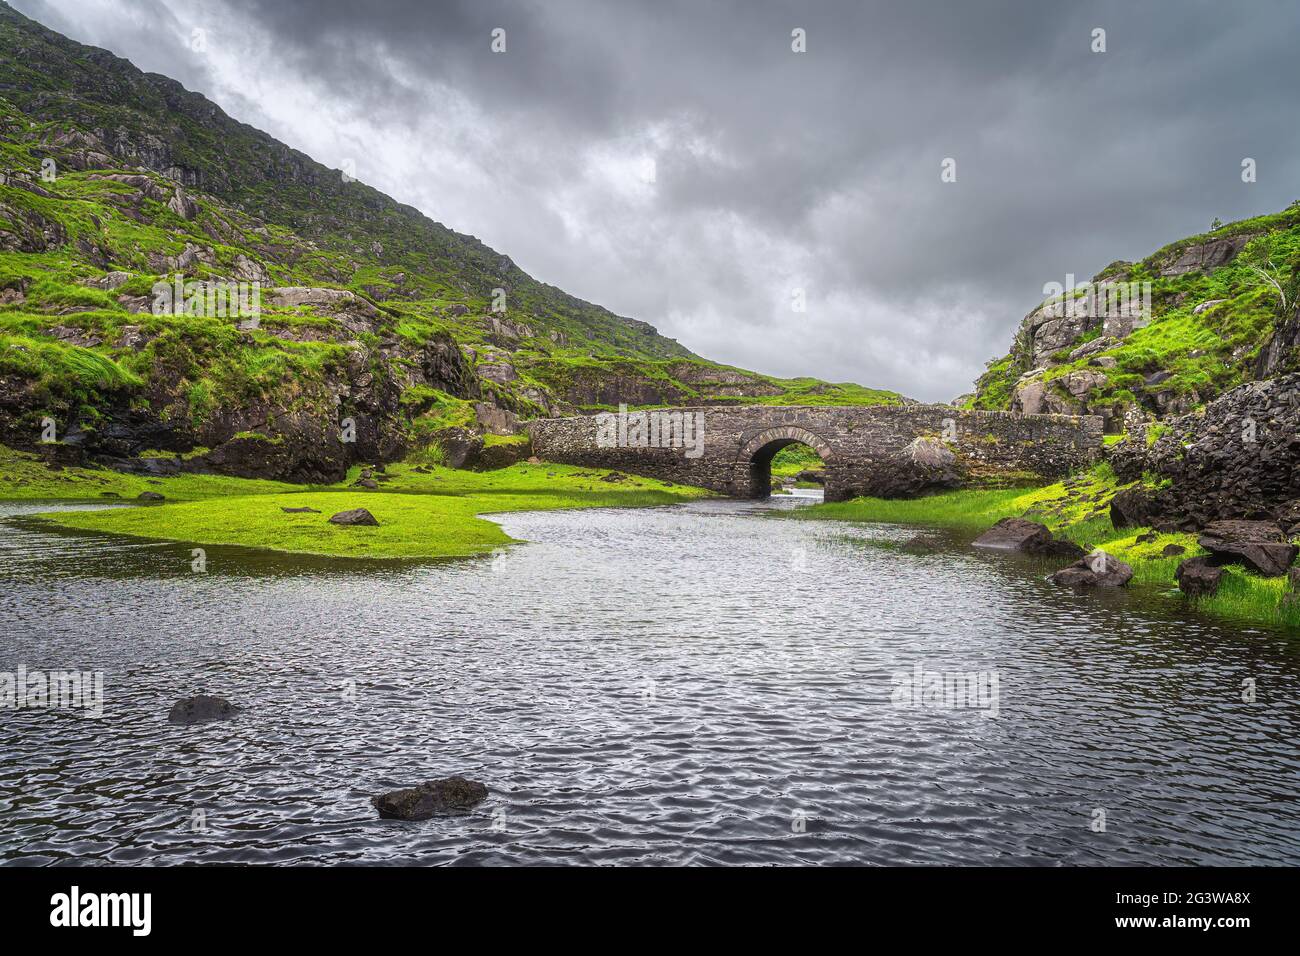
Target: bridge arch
<point>754,462</point>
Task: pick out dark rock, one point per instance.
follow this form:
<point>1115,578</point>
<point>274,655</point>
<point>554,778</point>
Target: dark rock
<point>460,446</point>
<point>1015,534</point>
<point>1197,577</point>
<point>150,496</point>
<point>299,511</point>
<point>925,466</point>
<point>424,800</point>
<point>503,455</point>
<point>368,483</point>
<point>62,453</point>
<point>1258,545</point>
<point>356,516</point>
<point>201,709</point>
<point>1238,459</point>
<point>811,476</point>
<point>1173,550</point>
<point>1146,537</point>
<point>1288,516</point>
<point>1132,508</point>
<point>615,476</point>
<point>1095,570</point>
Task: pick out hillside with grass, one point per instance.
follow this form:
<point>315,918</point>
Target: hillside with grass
<point>1223,312</point>
<point>374,319</point>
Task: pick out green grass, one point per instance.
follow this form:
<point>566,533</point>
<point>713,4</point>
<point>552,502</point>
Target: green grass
<point>1243,596</point>
<point>23,476</point>
<point>429,514</point>
<point>792,459</point>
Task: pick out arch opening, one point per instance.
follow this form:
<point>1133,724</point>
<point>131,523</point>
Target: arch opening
<point>786,458</point>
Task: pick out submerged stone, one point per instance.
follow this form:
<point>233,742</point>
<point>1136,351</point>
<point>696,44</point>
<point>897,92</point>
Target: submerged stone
<point>200,709</point>
<point>424,800</point>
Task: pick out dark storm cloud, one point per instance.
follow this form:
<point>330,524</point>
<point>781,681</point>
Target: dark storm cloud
<point>818,170</point>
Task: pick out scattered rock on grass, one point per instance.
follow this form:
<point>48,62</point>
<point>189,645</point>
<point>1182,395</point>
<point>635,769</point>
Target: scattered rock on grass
<point>432,797</point>
<point>355,516</point>
<point>150,496</point>
<point>1197,577</point>
<point>299,511</point>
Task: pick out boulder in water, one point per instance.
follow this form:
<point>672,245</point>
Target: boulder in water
<point>424,800</point>
<point>200,709</point>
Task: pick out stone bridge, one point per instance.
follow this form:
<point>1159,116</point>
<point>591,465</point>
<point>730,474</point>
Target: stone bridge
<point>878,450</point>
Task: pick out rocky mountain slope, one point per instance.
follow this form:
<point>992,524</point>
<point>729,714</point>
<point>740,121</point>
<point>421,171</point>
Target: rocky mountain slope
<point>373,315</point>
<point>1222,313</point>
<point>1203,390</point>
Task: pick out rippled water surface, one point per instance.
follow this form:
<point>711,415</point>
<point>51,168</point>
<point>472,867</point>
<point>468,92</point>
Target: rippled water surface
<point>705,683</point>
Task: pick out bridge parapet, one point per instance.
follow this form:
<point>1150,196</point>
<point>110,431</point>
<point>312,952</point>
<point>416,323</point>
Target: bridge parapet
<point>729,448</point>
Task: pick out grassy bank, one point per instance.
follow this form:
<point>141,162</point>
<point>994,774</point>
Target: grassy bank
<point>1080,513</point>
<point>422,514</point>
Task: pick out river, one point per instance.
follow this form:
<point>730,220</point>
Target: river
<point>699,684</point>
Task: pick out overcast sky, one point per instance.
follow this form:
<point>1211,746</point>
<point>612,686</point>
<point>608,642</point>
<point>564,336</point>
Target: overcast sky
<point>678,162</point>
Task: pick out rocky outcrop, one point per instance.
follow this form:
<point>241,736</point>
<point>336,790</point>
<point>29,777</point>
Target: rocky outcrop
<point>434,797</point>
<point>1096,570</point>
<point>1204,256</point>
<point>461,447</point>
<point>1132,508</point>
<point>925,465</point>
<point>1239,458</point>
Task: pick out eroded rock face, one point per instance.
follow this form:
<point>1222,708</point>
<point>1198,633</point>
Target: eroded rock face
<point>1094,570</point>
<point>201,709</point>
<point>1239,459</point>
<point>1206,256</point>
<point>424,800</point>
